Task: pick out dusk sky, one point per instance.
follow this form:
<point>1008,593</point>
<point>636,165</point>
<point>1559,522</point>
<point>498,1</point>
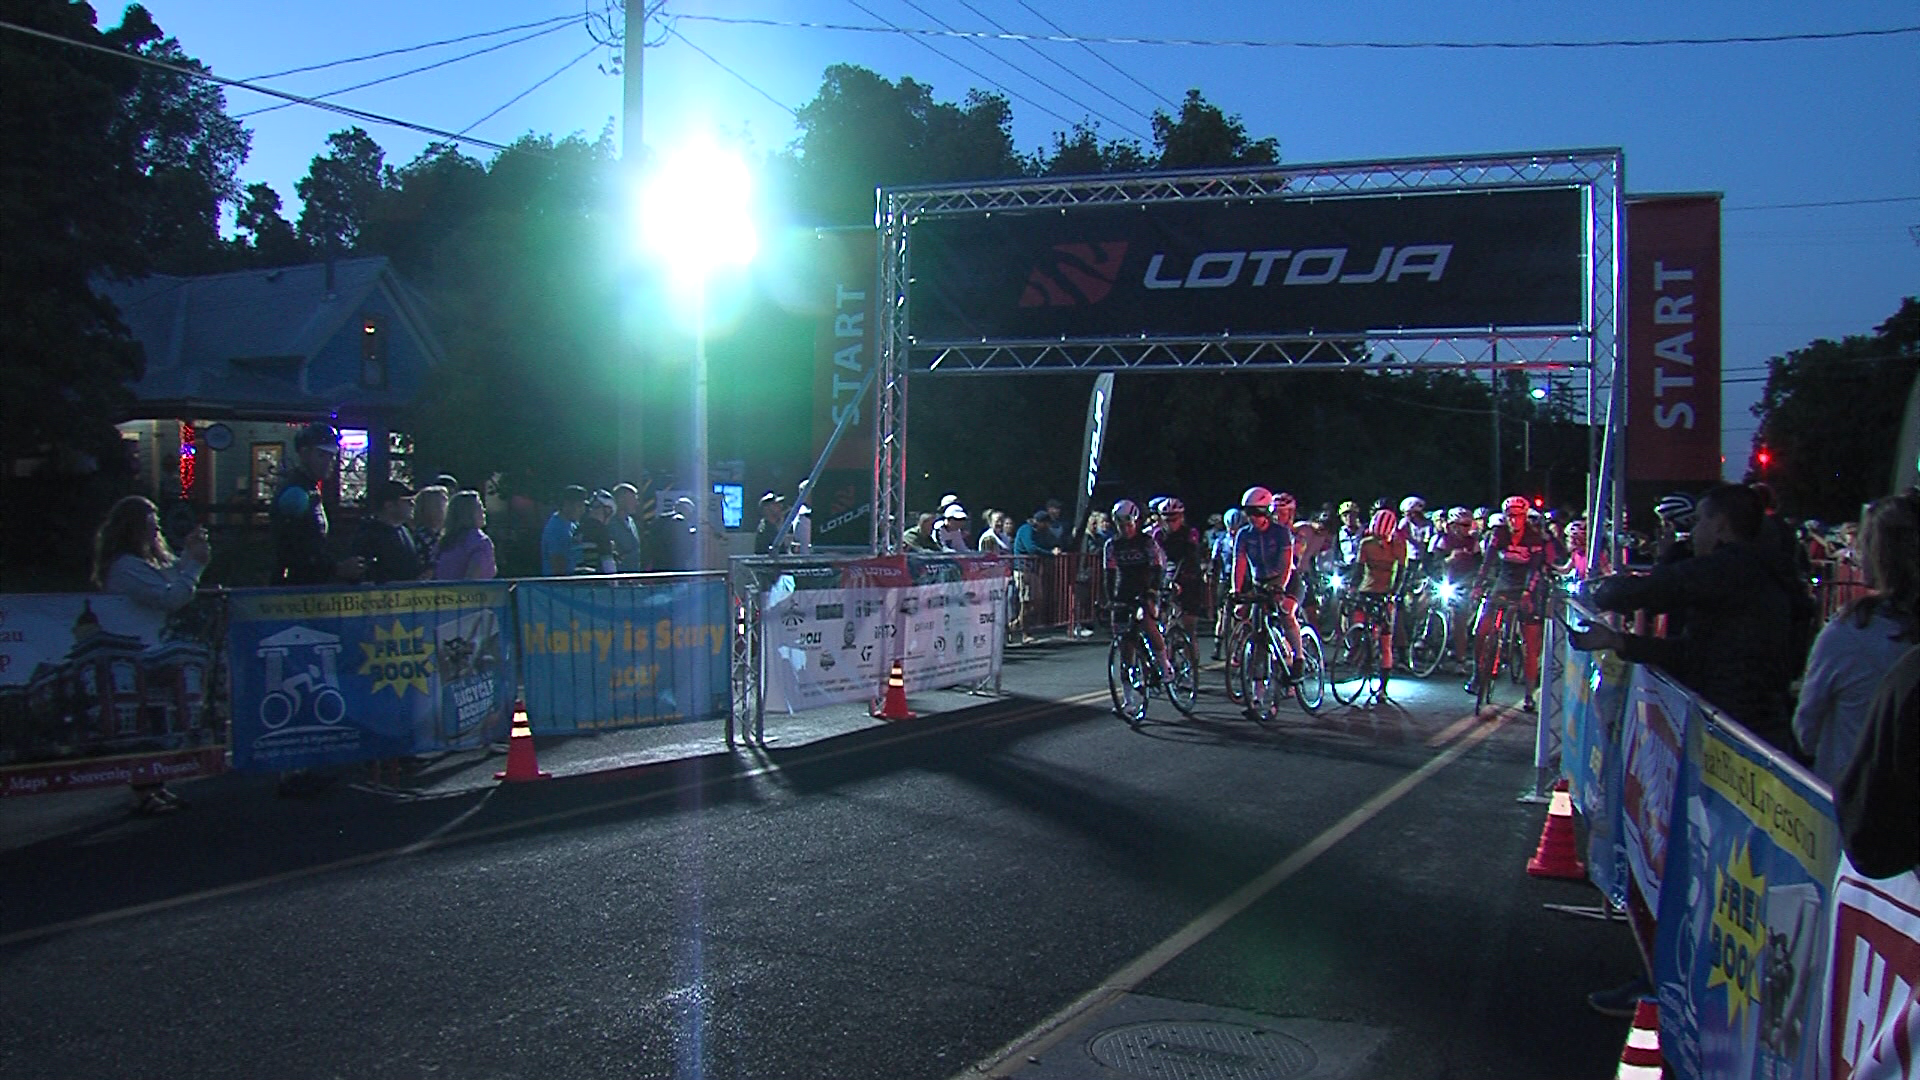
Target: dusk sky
<point>1766,124</point>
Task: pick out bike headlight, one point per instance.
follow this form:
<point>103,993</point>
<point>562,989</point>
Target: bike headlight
<point>1449,592</point>
<point>1333,582</point>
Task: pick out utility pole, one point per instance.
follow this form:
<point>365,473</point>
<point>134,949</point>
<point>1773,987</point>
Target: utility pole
<point>1493,382</point>
<point>629,412</point>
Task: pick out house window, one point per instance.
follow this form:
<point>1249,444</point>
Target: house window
<point>373,352</point>
<point>400,457</point>
<point>354,446</point>
<point>127,719</point>
<point>122,678</point>
<point>267,457</point>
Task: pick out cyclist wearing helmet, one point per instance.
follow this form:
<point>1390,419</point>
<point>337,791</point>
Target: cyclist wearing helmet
<point>1415,528</point>
<point>1136,569</point>
<point>1457,550</point>
<point>1220,570</point>
<point>1514,569</point>
<point>1383,561</point>
<point>1263,555</point>
<point>1675,538</point>
<point>1185,554</point>
<point>1352,529</point>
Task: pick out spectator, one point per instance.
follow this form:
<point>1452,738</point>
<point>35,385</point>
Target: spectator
<point>951,533</point>
<point>1673,540</point>
<point>998,539</point>
<point>594,537</point>
<point>302,554</point>
<point>1094,535</point>
<point>801,543</point>
<point>629,555</point>
<point>1216,528</point>
<point>384,542</point>
<point>1734,650</point>
<point>429,520</point>
<point>1057,522</point>
<point>919,536</point>
<point>465,551</point>
<point>1878,795</point>
<point>132,559</point>
<point>1036,536</point>
<point>773,514</point>
<point>559,543</point>
<point>1856,650</point>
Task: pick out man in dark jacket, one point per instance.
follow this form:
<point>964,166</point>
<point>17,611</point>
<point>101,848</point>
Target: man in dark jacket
<point>1736,595</point>
<point>302,555</point>
<point>384,542</point>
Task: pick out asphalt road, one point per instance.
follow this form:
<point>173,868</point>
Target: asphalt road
<point>1024,886</point>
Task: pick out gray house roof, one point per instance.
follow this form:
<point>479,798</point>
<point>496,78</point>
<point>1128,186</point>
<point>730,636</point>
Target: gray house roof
<point>242,343</point>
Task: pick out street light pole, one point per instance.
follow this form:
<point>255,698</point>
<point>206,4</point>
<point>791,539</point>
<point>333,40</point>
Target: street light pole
<point>629,421</point>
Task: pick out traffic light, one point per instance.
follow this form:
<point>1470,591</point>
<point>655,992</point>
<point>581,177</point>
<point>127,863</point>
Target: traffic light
<point>1763,456</point>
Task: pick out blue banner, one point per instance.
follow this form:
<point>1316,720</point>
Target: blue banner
<point>1593,702</point>
<point>332,676</point>
<point>605,653</point>
<point>1652,744</point>
<point>1741,953</point>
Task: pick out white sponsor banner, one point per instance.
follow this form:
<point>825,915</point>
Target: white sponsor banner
<point>1873,1019</point>
<point>834,646</point>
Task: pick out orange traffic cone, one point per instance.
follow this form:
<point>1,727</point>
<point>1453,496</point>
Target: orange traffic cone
<point>1557,856</point>
<point>893,706</point>
<point>1640,1058</point>
<point>520,761</point>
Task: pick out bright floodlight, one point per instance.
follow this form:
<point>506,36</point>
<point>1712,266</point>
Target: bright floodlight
<point>1539,393</point>
<point>695,212</point>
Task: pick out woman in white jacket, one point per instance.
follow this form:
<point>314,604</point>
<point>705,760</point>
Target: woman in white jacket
<point>131,558</point>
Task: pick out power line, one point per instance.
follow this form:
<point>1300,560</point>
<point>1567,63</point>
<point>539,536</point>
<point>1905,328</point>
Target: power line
<point>1042,54</point>
<point>1827,202</point>
<point>409,71</point>
<point>422,46</point>
<point>962,65</point>
<point>590,50</point>
<point>1023,71</point>
<point>1089,51</point>
<point>1257,43</point>
<point>239,84</point>
<point>751,85</point>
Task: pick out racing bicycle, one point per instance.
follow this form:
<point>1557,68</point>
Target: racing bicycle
<point>1261,668</point>
<point>1134,666</point>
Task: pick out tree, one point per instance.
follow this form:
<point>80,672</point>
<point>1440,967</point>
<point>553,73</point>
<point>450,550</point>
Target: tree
<point>268,238</point>
<point>339,191</point>
<point>1831,414</point>
<point>1081,152</point>
<point>1202,135</point>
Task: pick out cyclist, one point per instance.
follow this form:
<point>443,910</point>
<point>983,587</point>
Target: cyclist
<point>1458,552</point>
<point>1312,552</point>
<point>1263,556</point>
<point>1383,561</point>
<point>1351,530</point>
<point>1136,568</point>
<point>1416,528</point>
<point>1514,570</point>
<point>1181,544</point>
<point>1220,571</point>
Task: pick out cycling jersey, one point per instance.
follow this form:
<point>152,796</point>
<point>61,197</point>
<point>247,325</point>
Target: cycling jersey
<point>1459,554</point>
<point>1136,566</point>
<point>1380,561</point>
<point>1514,562</point>
<point>1183,551</point>
<point>1266,553</point>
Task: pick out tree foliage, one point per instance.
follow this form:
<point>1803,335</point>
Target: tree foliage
<point>1831,414</point>
<point>1203,135</point>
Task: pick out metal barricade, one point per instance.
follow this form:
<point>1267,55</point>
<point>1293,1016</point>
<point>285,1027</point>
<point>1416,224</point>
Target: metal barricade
<point>1056,592</point>
<point>1837,583</point>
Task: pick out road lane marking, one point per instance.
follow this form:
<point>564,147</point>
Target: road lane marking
<point>442,837</point>
<point>1056,1028</point>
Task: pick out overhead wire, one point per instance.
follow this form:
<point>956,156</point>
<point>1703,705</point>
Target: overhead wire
<point>1042,54</point>
<point>961,64</point>
<point>717,62</point>
<point>419,47</point>
<point>1824,202</point>
<point>410,71</point>
<point>1062,31</point>
<point>241,84</point>
<point>556,73</point>
<point>1258,43</point>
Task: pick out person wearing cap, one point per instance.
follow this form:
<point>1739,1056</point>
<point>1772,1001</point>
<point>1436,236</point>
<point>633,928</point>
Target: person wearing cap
<point>951,533</point>
<point>801,542</point>
<point>384,542</point>
<point>301,551</point>
<point>773,514</point>
<point>919,536</point>
<point>594,537</point>
<point>559,539</point>
<point>629,555</point>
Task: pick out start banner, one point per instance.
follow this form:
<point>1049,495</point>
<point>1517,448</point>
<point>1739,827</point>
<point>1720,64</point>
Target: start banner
<point>97,691</point>
<point>332,676</point>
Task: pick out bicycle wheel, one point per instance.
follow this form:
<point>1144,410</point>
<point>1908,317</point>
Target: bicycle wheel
<point>1236,650</point>
<point>1311,691</point>
<point>1185,687</point>
<point>1511,655</point>
<point>1358,667</point>
<point>1261,666</point>
<point>1429,644</point>
<point>1486,668</point>
<point>1125,680</point>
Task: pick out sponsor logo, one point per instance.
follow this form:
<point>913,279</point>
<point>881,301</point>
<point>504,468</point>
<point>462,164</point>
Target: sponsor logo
<point>866,653</point>
<point>829,612</point>
<point>936,601</point>
<point>1308,266</point>
<point>1076,275</point>
<point>810,638</point>
<point>867,609</point>
<point>884,631</point>
<point>923,627</point>
<point>986,618</point>
<point>971,597</point>
<point>979,641</point>
<point>909,605</point>
<point>793,617</point>
<point>826,661</point>
<point>849,629</point>
<point>940,644</point>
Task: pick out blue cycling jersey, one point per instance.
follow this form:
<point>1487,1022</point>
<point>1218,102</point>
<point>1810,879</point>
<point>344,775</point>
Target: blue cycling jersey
<point>1267,553</point>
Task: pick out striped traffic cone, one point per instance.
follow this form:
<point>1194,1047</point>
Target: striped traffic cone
<point>1640,1058</point>
<point>1558,855</point>
<point>893,704</point>
<point>521,765</point>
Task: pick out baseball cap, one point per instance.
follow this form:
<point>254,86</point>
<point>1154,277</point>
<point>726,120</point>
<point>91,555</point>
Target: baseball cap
<point>387,491</point>
<point>773,497</point>
<point>954,512</point>
<point>573,493</point>
<point>603,497</point>
<point>319,433</point>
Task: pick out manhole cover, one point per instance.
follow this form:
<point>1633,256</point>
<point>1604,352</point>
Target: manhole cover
<point>1201,1050</point>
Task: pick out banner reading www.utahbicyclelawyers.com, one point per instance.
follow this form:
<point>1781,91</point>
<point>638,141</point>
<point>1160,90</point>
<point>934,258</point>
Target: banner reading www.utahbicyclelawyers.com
<point>333,676</point>
<point>944,620</point>
<point>606,653</point>
<point>97,691</point>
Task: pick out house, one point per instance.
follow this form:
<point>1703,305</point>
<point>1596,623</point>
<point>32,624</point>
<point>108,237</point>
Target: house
<point>237,362</point>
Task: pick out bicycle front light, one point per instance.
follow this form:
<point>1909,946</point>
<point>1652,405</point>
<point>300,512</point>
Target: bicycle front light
<point>1333,582</point>
<point>1449,592</point>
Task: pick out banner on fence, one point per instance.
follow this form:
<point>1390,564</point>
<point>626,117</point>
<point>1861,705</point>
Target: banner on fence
<point>617,653</point>
<point>1740,957</point>
<point>834,645</point>
<point>1873,1023</point>
<point>1652,740</point>
<point>98,691</point>
<point>1593,696</point>
<point>329,677</point>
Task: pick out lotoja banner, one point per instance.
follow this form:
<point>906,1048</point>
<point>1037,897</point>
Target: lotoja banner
<point>331,677</point>
<point>97,691</point>
<point>1099,405</point>
<point>1510,258</point>
<point>1673,340</point>
<point>844,351</point>
<point>605,653</point>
